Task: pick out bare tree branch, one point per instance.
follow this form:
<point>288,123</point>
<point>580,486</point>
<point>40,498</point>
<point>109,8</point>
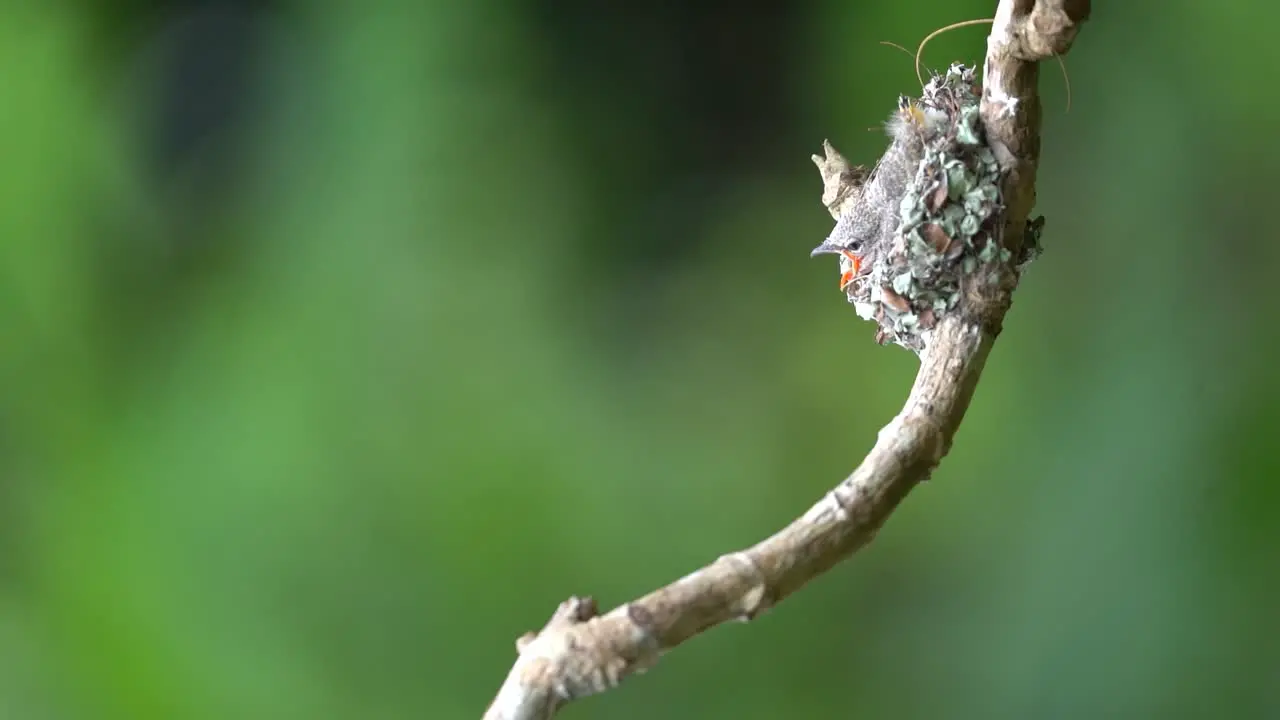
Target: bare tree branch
<point>579,653</point>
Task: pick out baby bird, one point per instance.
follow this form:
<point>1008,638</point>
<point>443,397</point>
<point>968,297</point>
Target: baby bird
<point>866,230</point>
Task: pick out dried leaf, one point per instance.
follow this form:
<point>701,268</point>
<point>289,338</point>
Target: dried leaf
<point>894,300</point>
<point>938,196</point>
<point>937,238</point>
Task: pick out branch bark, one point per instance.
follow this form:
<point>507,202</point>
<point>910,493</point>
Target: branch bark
<point>580,653</point>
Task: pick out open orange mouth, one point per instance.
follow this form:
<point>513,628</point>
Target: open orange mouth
<point>846,278</point>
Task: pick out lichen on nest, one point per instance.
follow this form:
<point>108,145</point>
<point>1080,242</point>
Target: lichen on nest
<point>923,222</point>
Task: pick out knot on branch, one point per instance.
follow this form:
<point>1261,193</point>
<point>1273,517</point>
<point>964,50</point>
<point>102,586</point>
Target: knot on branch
<point>576,654</point>
<point>754,598</point>
<point>570,612</point>
<point>1046,28</point>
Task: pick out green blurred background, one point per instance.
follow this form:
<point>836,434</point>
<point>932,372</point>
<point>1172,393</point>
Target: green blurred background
<point>340,341</point>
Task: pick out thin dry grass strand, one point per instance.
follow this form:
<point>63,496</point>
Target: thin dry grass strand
<point>1062,64</point>
<point>939,31</point>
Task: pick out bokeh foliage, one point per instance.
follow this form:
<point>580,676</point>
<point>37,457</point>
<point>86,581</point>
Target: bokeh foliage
<point>341,341</point>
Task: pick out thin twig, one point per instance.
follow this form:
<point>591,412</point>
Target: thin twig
<point>579,653</point>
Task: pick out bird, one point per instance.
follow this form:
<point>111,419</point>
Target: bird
<point>866,229</point>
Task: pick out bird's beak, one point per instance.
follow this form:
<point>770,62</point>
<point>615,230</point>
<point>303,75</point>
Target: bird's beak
<point>826,248</point>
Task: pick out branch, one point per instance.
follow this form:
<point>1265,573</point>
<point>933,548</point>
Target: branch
<point>580,653</point>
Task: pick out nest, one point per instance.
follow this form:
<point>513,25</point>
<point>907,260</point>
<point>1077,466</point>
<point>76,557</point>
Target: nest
<point>939,220</point>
